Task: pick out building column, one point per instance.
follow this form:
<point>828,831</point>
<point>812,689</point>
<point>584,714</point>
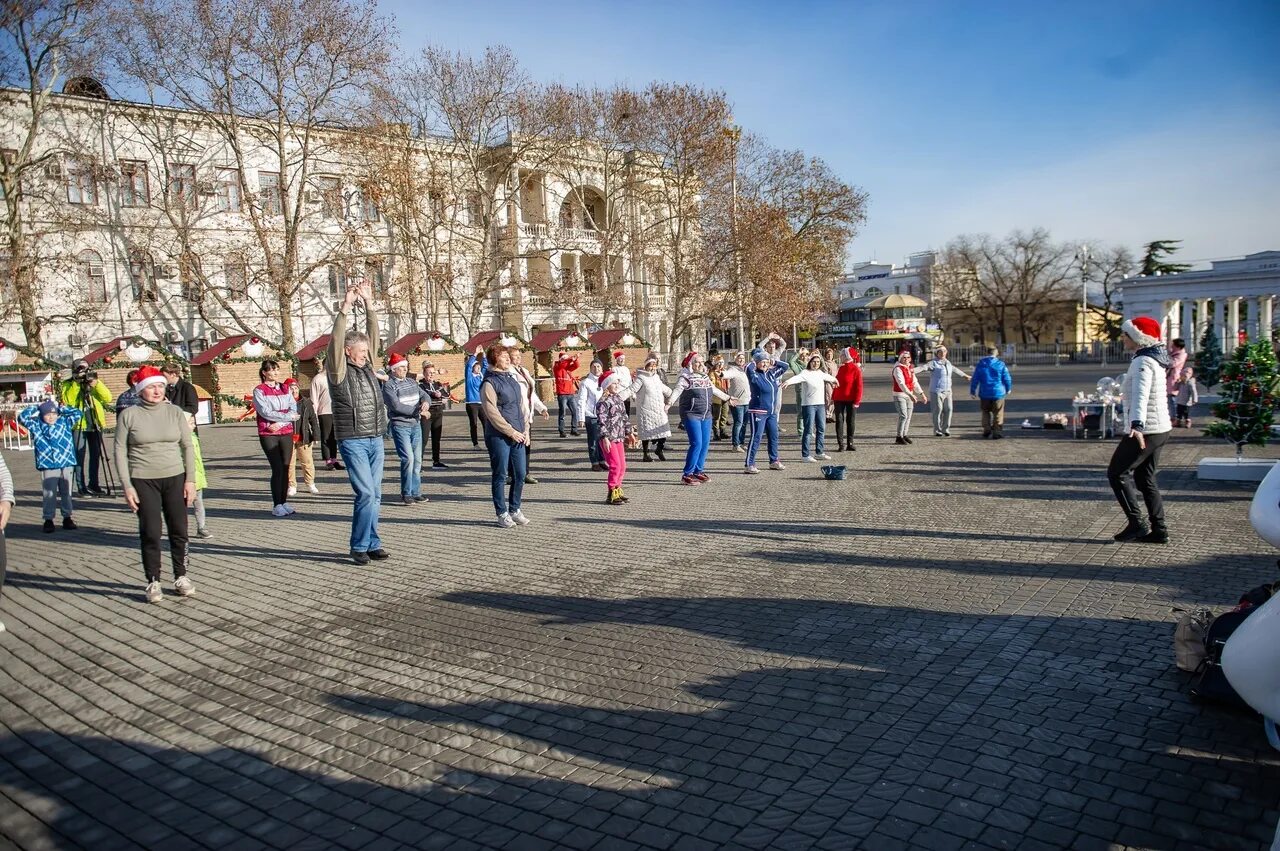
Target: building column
<point>1187,330</point>
<point>1202,322</point>
<point>1267,312</point>
<point>1172,316</point>
<point>1258,331</point>
<point>1233,324</point>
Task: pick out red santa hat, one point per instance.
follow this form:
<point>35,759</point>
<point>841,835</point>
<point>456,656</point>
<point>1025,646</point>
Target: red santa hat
<point>1143,330</point>
<point>148,375</point>
<point>688,359</point>
<point>397,359</point>
<point>851,354</point>
<point>607,378</point>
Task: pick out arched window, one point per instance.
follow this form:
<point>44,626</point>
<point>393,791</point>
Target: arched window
<point>142,274</point>
<point>92,277</point>
<point>337,280</point>
<point>872,292</point>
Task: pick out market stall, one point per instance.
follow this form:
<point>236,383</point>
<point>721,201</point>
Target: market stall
<point>113,361</point>
<point>229,370</point>
<point>610,340</point>
<point>485,339</point>
<point>310,360</point>
<point>25,379</point>
<point>441,351</point>
<point>545,345</point>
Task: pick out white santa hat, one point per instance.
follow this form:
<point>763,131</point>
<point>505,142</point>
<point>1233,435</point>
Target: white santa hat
<point>1143,330</point>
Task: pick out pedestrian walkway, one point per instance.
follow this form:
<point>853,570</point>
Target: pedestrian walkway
<point>945,650</point>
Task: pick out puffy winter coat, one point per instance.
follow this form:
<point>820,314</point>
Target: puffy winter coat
<point>848,384</point>
<point>651,405</point>
<point>991,379</point>
<point>1146,405</point>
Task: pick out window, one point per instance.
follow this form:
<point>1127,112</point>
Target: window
<point>191,278</point>
<point>337,280</point>
<point>229,197</point>
<point>236,276</point>
<point>369,209</point>
<point>376,276</point>
<point>81,187</point>
<point>475,209</point>
<point>197,346</point>
<point>330,198</point>
<point>182,184</point>
<point>92,277</point>
<point>134,189</point>
<point>270,193</point>
<point>142,274</point>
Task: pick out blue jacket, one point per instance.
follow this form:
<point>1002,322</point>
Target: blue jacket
<point>991,379</point>
<point>474,381</point>
<point>55,448</point>
<point>764,387</point>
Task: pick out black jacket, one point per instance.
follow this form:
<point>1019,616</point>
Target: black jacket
<point>183,394</point>
<point>308,424</point>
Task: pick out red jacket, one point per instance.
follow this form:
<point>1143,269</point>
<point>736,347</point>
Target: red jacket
<point>563,369</point>
<point>848,384</point>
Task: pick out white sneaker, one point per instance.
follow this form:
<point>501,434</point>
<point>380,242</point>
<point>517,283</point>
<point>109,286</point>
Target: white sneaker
<point>289,509</point>
<point>519,517</point>
<point>776,465</point>
<point>154,592</point>
<point>182,585</point>
<point>278,511</point>
<point>292,491</point>
<point>1,626</point>
<point>811,459</point>
<point>312,488</point>
<point>505,521</point>
<point>824,457</point>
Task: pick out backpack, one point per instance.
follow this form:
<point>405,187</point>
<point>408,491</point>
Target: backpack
<point>1210,683</point>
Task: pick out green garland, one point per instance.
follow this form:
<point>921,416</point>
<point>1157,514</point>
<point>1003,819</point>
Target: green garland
<point>219,398</point>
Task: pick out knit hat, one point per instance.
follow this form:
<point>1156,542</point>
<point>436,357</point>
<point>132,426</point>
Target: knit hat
<point>290,383</point>
<point>758,355</point>
<point>147,376</point>
<point>688,359</point>
<point>652,358</point>
<point>1143,330</point>
<point>396,359</point>
<point>608,378</point>
<point>48,406</point>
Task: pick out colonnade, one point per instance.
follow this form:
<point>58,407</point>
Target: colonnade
<point>1188,318</point>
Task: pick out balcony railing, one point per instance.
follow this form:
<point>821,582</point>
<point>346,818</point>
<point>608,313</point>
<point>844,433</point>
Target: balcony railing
<point>551,233</point>
<point>541,293</point>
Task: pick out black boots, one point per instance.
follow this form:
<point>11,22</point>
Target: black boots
<point>646,457</point>
<point>658,448</point>
<point>1157,535</point>
<point>1134,531</point>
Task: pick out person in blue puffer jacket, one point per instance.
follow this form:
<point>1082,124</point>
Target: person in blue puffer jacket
<point>51,428</point>
<point>763,374</point>
<point>990,383</point>
<point>476,368</point>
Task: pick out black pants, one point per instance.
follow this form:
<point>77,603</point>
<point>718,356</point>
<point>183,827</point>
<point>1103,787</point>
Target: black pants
<point>160,504</point>
<point>1131,465</point>
<point>88,443</point>
<point>845,416</point>
<point>431,428</point>
<point>475,419</point>
<point>328,443</point>
<point>279,449</point>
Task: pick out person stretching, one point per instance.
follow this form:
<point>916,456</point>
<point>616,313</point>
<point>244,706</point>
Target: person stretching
<point>812,382</point>
<point>50,429</point>
<point>763,375</point>
<point>406,407</point>
<point>477,365</point>
<point>940,372</point>
<point>588,398</point>
<point>694,392</point>
<point>847,396</point>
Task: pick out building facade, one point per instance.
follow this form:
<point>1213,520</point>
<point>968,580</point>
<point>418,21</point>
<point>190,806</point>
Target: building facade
<point>1236,296</point>
<point>163,224</point>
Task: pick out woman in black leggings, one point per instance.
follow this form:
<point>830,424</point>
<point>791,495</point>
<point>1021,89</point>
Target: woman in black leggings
<point>277,411</point>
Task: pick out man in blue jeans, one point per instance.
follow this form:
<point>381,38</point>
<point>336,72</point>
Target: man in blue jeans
<point>407,408</point>
<point>359,419</point>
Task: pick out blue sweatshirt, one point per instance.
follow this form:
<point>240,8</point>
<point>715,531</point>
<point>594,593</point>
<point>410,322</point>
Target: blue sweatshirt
<point>765,390</point>
<point>473,380</point>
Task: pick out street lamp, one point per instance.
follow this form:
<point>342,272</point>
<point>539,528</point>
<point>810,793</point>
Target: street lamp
<point>734,133</point>
<point>1082,257</point>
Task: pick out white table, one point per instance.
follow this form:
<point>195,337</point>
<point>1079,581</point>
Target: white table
<point>1106,411</point>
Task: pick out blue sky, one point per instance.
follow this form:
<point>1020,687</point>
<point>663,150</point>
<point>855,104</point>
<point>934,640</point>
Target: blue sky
<point>1116,122</point>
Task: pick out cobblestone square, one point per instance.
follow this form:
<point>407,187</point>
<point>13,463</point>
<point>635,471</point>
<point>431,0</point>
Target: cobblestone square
<point>945,650</point>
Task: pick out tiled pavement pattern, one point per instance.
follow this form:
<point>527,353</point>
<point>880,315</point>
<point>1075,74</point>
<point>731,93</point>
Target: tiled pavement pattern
<point>944,651</point>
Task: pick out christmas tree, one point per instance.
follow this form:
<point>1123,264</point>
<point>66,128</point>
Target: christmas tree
<point>1209,358</point>
<point>1248,403</point>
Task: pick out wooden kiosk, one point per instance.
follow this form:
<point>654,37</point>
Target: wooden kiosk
<point>443,352</point>
<point>311,360</point>
<point>229,369</point>
<point>114,361</point>
<point>609,340</point>
<point>546,344</point>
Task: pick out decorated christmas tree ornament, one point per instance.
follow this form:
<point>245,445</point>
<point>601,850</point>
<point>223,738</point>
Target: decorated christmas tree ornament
<point>1247,407</point>
<point>8,354</point>
<point>137,350</point>
<point>253,347</point>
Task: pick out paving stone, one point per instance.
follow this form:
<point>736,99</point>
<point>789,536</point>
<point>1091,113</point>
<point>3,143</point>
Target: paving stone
<point>734,664</point>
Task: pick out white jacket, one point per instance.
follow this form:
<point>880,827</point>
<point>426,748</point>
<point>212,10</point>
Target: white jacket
<point>588,397</point>
<point>813,385</point>
<point>1145,400</point>
<point>739,386</point>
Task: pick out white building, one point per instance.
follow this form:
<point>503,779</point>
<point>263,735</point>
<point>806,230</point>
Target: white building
<point>149,221</point>
<point>1236,296</point>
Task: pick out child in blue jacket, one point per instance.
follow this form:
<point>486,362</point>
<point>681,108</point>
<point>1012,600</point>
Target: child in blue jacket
<point>55,452</point>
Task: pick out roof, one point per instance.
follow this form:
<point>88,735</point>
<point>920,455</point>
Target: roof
<point>610,337</point>
<point>312,350</point>
<point>409,342</point>
<point>218,349</point>
<point>895,300</point>
<point>545,341</point>
<point>105,349</point>
<point>486,339</point>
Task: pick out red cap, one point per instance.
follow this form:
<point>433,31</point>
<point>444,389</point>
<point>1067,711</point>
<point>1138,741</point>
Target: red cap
<point>619,353</point>
<point>688,359</point>
<point>397,358</point>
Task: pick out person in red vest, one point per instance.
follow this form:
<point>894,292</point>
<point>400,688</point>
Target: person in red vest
<point>566,390</point>
<point>905,394</point>
<point>847,396</point>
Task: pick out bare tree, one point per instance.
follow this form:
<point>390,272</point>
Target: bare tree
<point>42,44</point>
<point>1105,272</point>
<point>272,78</point>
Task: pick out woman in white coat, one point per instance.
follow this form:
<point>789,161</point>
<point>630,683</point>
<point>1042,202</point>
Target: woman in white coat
<point>813,381</point>
<point>1137,457</point>
<point>651,395</point>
